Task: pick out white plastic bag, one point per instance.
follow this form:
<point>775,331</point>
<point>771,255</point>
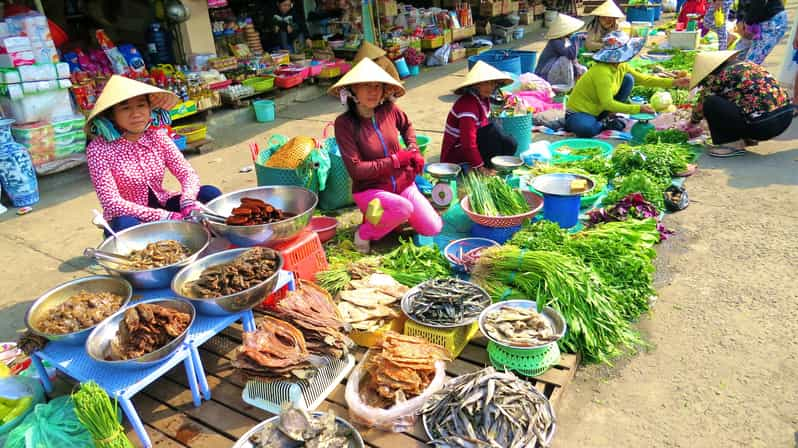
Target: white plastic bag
<point>400,417</point>
<point>440,57</point>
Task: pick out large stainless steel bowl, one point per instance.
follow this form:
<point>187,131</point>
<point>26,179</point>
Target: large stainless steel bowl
<point>244,442</point>
<point>54,297</point>
<point>295,200</point>
<point>556,320</point>
<point>193,235</point>
<point>230,304</point>
<point>98,344</point>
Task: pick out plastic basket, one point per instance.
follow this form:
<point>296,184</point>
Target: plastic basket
<point>452,339</point>
<point>338,191</point>
<point>534,201</point>
<point>264,110</point>
<point>369,339</point>
<point>266,176</point>
<point>192,132</point>
<point>640,14</point>
<point>498,234</point>
<point>304,256</point>
<point>180,142</point>
<point>529,59</point>
<point>520,128</point>
<point>578,143</point>
<point>528,363</point>
<point>260,83</point>
<point>501,60</point>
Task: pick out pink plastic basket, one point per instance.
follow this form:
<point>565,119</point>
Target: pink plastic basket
<point>534,201</point>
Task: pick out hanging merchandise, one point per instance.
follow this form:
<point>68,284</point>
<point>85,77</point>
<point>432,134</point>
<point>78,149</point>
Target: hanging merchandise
<point>118,62</point>
<point>158,45</point>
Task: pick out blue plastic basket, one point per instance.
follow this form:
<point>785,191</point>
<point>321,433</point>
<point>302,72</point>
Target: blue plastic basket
<point>520,128</point>
<point>465,244</point>
<point>529,60</point>
<point>502,60</point>
<point>640,14</point>
<point>498,234</point>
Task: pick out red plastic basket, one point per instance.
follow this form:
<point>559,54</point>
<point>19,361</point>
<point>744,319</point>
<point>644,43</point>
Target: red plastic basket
<point>304,256</point>
<point>286,82</point>
<point>534,201</point>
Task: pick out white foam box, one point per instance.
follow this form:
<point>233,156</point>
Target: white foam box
<point>38,72</point>
<point>684,40</point>
<point>42,106</point>
<point>45,53</point>
<point>62,70</point>
<point>15,44</point>
<point>17,59</point>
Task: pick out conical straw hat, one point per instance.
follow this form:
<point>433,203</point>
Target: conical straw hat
<point>367,71</point>
<point>368,50</point>
<point>564,25</point>
<point>706,63</point>
<point>481,72</point>
<point>608,9</point>
<point>119,89</point>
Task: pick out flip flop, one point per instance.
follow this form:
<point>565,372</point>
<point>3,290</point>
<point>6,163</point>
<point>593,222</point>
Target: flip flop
<point>691,169</point>
<point>750,142</point>
<point>724,152</point>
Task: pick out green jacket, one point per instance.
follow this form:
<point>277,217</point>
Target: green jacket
<point>594,92</point>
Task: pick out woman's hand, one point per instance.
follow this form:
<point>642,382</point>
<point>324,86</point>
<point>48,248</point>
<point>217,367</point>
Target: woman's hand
<point>418,162</point>
<point>647,109</point>
<point>405,157</point>
<point>682,83</point>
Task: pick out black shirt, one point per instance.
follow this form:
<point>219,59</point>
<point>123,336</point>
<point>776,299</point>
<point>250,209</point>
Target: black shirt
<point>758,11</point>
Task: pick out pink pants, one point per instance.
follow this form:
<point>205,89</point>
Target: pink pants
<point>410,205</point>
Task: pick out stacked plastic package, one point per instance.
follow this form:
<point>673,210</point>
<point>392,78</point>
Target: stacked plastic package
<point>48,141</point>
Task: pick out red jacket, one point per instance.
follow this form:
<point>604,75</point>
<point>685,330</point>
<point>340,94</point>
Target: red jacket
<point>468,114</point>
<point>371,164</point>
<point>693,7</point>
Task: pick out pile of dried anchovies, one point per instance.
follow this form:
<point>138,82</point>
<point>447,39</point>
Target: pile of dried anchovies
<point>447,302</point>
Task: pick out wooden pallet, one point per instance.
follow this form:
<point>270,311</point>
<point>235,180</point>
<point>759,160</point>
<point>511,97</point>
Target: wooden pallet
<point>167,410</point>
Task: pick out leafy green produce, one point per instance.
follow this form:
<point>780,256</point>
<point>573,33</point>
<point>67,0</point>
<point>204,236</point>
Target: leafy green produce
<point>597,166</point>
<point>491,196</point>
<point>642,182</point>
<point>667,136</point>
<point>410,264</point>
<point>94,410</point>
<point>596,326</point>
<point>662,160</point>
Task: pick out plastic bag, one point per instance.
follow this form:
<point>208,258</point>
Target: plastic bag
<point>51,425</point>
<point>400,417</point>
<point>15,387</point>
<point>440,57</point>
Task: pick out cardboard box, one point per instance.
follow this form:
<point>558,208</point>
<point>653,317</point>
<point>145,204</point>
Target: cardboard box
<point>527,18</point>
<point>506,6</point>
<point>473,51</point>
<point>389,8</point>
<point>463,33</point>
<point>447,36</point>
<point>484,29</point>
<point>431,44</point>
<point>490,8</point>
<point>514,6</point>
<point>457,54</point>
<point>539,9</point>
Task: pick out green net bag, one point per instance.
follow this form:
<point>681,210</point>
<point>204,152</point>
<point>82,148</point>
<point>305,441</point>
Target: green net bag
<point>51,425</point>
<point>338,191</point>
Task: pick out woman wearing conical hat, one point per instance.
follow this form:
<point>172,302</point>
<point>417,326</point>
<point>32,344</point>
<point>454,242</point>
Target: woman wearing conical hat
<point>557,63</point>
<point>383,174</point>
<point>131,152</point>
<point>603,20</point>
<point>742,102</point>
<point>468,137</point>
<point>379,56</point>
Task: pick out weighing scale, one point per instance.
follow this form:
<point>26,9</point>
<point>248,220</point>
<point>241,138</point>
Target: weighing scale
<point>642,127</point>
<point>445,190</point>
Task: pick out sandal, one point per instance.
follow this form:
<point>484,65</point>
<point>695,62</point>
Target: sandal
<point>725,152</point>
<point>750,142</point>
<point>676,198</point>
<point>691,169</point>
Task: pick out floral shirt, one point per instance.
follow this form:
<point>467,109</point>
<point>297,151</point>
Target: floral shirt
<point>749,86</point>
<point>124,173</point>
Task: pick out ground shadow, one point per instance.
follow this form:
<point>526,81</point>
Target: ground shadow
<point>13,322</point>
<point>449,98</point>
<point>756,170</point>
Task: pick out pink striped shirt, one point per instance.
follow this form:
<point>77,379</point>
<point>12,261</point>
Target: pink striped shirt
<point>123,173</point>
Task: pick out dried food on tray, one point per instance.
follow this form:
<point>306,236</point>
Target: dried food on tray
<point>158,254</point>
<point>254,212</point>
<point>297,427</point>
<point>399,368</point>
<point>248,270</point>
<point>372,303</point>
<point>275,350</point>
<point>519,327</point>
<point>311,309</point>
<point>83,310</point>
<point>146,328</point>
<point>446,301</point>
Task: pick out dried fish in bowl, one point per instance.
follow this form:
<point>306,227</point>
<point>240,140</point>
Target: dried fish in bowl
<point>83,310</point>
<point>491,409</point>
<point>296,427</point>
<point>519,327</point>
<point>445,302</point>
<point>146,328</point>
<point>248,270</point>
<point>253,212</point>
<point>158,254</point>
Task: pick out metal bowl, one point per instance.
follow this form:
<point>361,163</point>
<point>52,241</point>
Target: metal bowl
<point>57,295</point>
<point>98,343</point>
<point>443,170</point>
<point>193,235</point>
<point>506,164</point>
<point>243,442</point>
<point>406,299</point>
<point>295,200</point>
<point>230,304</point>
<point>559,184</point>
<point>553,316</point>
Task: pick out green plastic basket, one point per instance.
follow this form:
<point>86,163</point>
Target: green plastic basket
<point>421,140</point>
<point>338,192</point>
<point>268,176</point>
<point>529,363</point>
<point>578,143</point>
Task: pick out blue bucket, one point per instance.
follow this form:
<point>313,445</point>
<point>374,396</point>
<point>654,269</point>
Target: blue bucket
<point>501,60</point>
<point>264,110</point>
<point>415,70</point>
<point>520,128</point>
<point>528,60</point>
<point>498,234</point>
<point>564,210</point>
<point>402,68</point>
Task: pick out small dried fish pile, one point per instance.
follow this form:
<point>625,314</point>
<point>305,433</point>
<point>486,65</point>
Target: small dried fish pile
<point>253,212</point>
<point>519,327</point>
<point>246,271</point>
<point>158,254</point>
<point>371,304</point>
<point>488,409</point>
<point>446,301</point>
<point>146,328</point>
<point>399,368</point>
<point>297,427</point>
<point>311,310</point>
<point>276,350</point>
<point>466,259</point>
<point>83,310</point>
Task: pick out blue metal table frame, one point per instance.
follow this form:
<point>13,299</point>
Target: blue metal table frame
<point>123,384</point>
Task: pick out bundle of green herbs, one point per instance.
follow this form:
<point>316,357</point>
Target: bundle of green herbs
<point>647,184</point>
<point>662,160</point>
<point>491,196</point>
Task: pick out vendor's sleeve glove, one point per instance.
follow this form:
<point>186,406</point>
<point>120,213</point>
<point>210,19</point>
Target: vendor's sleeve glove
<point>185,212</point>
<point>418,162</point>
<point>405,157</point>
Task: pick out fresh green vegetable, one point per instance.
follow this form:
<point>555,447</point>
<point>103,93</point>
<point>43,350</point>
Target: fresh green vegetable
<point>491,196</point>
<point>674,136</point>
<point>662,160</point>
<point>599,180</point>
<point>94,410</point>
<point>642,182</point>
<point>13,408</point>
<point>596,327</point>
<point>588,151</point>
<point>410,264</point>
